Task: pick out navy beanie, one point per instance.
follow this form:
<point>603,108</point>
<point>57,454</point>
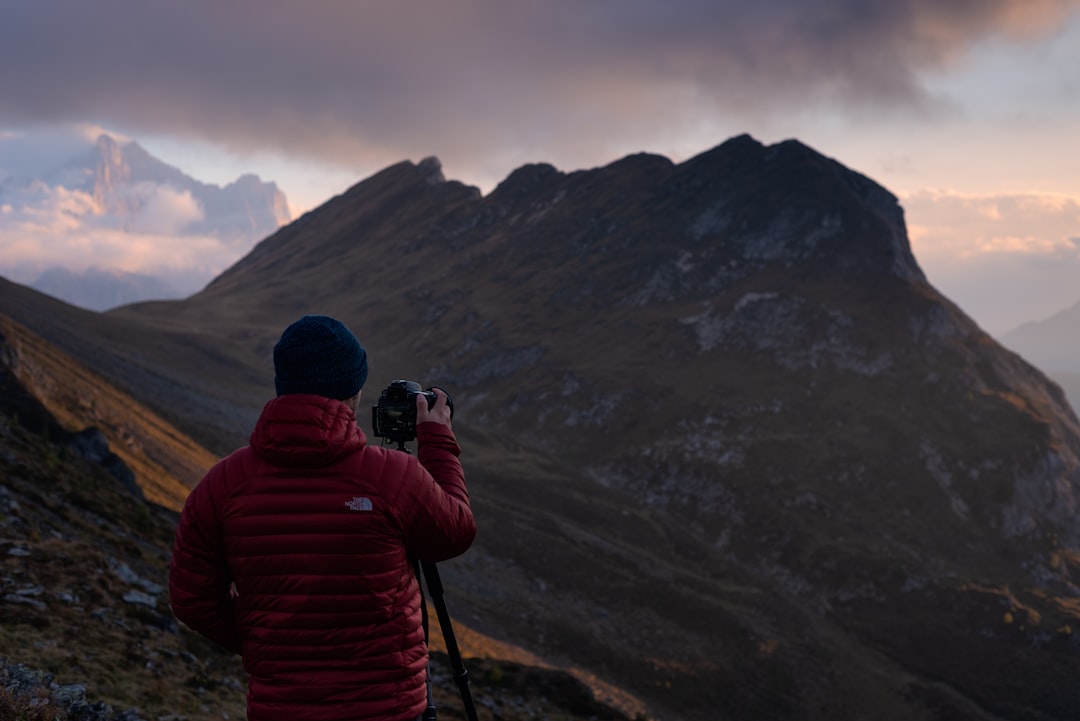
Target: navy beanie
<point>318,355</point>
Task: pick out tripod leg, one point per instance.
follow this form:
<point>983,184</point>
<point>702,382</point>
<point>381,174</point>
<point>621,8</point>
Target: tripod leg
<point>430,712</point>
<point>461,674</point>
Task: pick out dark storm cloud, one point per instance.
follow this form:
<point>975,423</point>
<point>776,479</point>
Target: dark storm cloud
<point>352,80</point>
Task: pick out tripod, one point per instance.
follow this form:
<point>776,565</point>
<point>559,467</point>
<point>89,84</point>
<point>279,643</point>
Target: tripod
<point>426,572</point>
<point>461,675</point>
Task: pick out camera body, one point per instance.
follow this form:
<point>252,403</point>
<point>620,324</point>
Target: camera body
<point>394,417</point>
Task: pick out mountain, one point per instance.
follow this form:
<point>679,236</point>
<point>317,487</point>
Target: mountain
<point>98,289</point>
<point>121,178</point>
<point>1053,345</point>
<point>123,226</point>
<point>729,452</point>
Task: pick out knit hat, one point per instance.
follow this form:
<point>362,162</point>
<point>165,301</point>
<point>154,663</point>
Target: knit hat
<point>320,356</point>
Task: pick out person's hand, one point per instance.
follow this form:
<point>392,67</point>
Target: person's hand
<point>439,413</point>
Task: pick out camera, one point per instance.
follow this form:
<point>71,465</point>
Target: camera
<point>394,417</point>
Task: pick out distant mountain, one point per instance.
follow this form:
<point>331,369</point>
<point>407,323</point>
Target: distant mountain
<point>1053,345</point>
<point>1070,383</point>
<point>116,201</point>
<point>98,289</point>
<point>121,178</point>
<point>729,452</point>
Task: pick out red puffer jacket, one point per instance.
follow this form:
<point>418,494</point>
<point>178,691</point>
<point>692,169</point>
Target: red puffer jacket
<point>315,530</point>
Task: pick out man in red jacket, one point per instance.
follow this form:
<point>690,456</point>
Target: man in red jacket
<point>296,551</point>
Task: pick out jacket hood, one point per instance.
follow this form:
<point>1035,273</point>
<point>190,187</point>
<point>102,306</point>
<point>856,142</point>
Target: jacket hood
<point>300,430</point>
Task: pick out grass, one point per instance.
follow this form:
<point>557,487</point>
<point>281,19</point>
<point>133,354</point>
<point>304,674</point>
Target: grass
<point>29,707</point>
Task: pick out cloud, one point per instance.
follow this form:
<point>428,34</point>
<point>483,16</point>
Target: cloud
<point>963,225</point>
<point>1006,259</point>
<point>34,154</point>
<point>187,261</point>
<point>43,226</point>
<point>56,210</point>
<point>161,210</point>
<point>371,82</point>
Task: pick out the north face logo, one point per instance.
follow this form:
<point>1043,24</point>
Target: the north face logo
<point>360,503</point>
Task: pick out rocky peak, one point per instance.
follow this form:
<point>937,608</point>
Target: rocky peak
<point>789,204</point>
<point>431,168</point>
<point>110,170</point>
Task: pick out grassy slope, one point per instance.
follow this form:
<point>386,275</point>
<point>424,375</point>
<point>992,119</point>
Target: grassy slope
<point>166,462</point>
<point>83,565</point>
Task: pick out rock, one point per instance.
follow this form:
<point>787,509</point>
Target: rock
<point>140,598</point>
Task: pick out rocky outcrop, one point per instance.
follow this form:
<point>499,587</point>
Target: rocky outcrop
<point>91,444</point>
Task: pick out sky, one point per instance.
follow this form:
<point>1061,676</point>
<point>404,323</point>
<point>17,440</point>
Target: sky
<point>967,110</point>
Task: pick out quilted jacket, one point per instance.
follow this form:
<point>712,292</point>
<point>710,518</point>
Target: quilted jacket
<point>296,552</point>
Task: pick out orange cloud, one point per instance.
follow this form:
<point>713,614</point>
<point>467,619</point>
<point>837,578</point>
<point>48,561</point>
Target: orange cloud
<point>1006,259</point>
<point>947,222</point>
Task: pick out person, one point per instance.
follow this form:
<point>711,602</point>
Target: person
<point>297,550</point>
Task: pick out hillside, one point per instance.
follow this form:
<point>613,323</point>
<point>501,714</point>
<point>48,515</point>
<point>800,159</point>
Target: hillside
<point>728,449</point>
<point>84,555</point>
<point>84,615</point>
<point>162,461</point>
<point>166,368</point>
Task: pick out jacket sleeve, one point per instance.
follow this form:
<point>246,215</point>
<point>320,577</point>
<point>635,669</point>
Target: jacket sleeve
<point>199,579</point>
<point>435,511</point>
